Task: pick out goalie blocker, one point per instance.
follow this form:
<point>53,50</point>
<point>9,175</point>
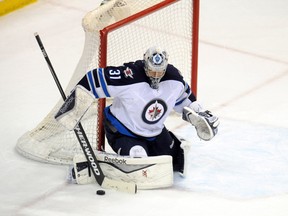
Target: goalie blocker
<point>74,107</point>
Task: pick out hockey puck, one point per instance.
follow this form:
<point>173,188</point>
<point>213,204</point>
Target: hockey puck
<point>100,192</point>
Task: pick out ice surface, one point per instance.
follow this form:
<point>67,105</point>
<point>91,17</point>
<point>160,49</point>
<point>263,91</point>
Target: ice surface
<point>243,76</point>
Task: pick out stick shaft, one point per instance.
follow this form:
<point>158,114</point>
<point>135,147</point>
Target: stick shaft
<point>79,131</point>
<point>50,66</point>
<point>103,181</point>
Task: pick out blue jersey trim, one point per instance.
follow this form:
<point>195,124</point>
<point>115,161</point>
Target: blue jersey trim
<point>180,102</point>
<point>92,83</point>
<point>188,90</point>
<point>103,83</point>
<point>120,127</point>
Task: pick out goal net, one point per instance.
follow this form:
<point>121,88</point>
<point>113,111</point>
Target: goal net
<point>118,31</point>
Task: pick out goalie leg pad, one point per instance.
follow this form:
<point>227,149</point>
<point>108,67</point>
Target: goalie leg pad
<point>185,146</point>
<point>147,173</point>
<point>180,160</point>
<point>74,107</point>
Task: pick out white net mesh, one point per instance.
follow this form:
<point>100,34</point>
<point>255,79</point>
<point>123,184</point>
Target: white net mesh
<point>169,27</point>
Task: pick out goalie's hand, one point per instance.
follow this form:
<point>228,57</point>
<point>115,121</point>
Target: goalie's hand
<point>205,123</point>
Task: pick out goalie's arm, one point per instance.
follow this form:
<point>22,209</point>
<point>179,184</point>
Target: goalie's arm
<point>87,90</point>
<point>205,123</point>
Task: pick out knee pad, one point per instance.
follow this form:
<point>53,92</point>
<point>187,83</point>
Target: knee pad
<point>137,151</point>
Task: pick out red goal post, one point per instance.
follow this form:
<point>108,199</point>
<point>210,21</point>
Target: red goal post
<point>194,57</point>
<point>116,32</point>
<point>195,32</point>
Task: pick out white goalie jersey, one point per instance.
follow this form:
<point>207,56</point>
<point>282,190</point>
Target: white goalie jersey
<point>136,105</point>
<point>137,109</point>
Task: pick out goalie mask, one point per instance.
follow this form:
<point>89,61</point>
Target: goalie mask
<point>155,64</point>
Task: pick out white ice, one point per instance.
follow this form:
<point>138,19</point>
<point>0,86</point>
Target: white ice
<point>243,78</point>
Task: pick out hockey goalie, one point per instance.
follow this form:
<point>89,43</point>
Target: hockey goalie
<point>144,93</point>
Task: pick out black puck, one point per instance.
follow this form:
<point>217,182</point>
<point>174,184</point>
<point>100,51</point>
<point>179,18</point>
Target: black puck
<point>100,192</point>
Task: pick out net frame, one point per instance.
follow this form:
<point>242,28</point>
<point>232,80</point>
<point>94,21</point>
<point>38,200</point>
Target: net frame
<point>51,142</point>
<point>104,47</point>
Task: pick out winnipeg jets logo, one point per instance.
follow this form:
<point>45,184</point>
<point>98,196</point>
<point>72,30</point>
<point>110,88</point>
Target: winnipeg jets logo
<point>154,111</point>
<point>128,73</point>
<point>157,59</point>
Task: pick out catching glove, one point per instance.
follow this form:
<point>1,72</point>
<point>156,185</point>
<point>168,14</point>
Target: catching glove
<point>205,123</point>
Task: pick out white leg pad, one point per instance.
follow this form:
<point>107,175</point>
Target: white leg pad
<point>147,172</point>
<point>185,145</point>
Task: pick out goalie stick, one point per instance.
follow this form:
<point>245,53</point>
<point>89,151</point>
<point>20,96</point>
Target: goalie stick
<point>103,181</point>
